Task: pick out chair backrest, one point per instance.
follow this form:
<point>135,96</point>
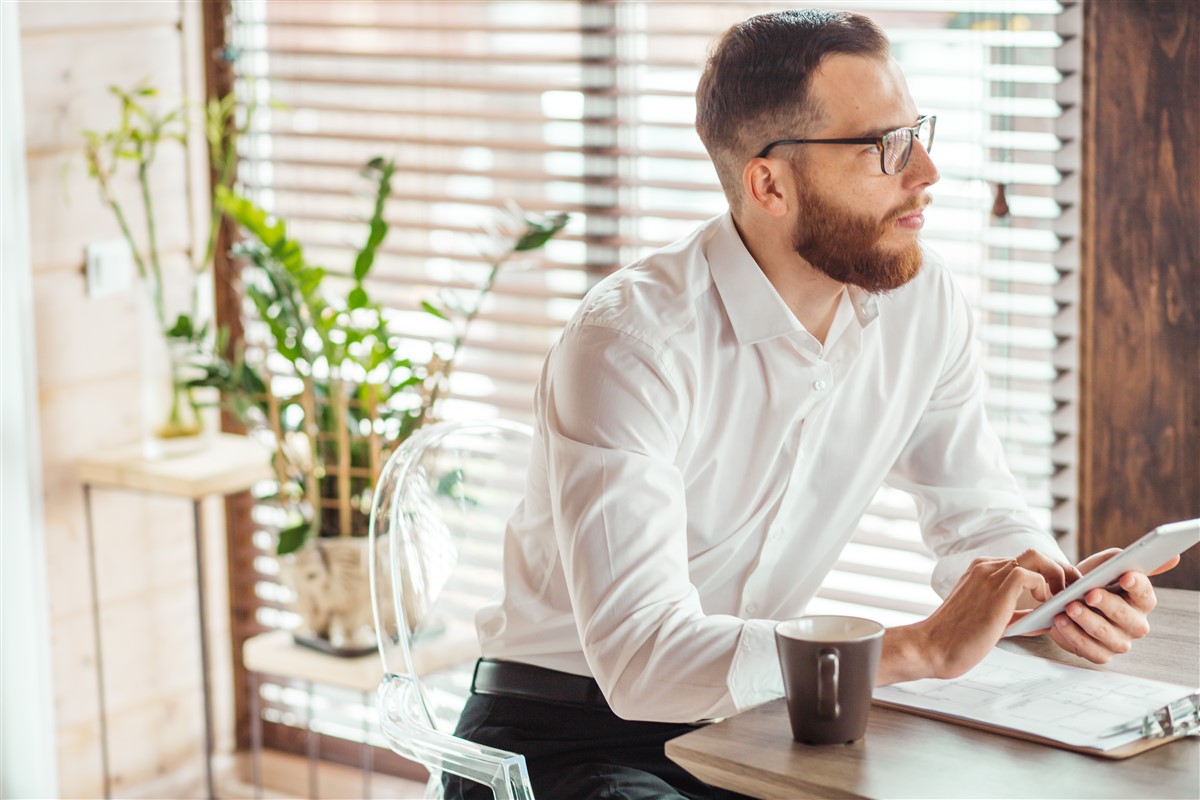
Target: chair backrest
<point>436,544</point>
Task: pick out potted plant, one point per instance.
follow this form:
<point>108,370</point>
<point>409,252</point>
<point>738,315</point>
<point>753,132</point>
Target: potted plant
<point>335,391</point>
<point>176,424</point>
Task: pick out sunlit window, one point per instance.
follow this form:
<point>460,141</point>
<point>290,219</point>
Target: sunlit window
<point>588,107</point>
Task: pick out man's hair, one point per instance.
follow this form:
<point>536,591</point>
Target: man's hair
<point>755,86</point>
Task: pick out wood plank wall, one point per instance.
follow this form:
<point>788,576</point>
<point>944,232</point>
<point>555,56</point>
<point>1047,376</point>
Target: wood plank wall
<point>90,369</point>
<point>1140,304</point>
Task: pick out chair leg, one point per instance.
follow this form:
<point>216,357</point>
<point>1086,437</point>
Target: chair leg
<point>368,752</point>
<point>314,752</point>
<point>433,788</point>
<point>256,735</point>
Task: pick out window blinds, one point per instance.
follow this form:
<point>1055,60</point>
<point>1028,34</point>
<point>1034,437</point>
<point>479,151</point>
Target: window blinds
<point>588,107</point>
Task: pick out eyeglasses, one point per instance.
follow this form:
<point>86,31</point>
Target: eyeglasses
<point>894,147</point>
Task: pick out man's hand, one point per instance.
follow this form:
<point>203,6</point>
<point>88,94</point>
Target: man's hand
<point>1106,623</point>
<point>958,635</point>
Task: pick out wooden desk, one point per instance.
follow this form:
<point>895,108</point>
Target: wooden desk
<point>904,755</point>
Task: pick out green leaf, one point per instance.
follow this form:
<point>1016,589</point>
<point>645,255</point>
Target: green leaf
<point>357,298</point>
<point>451,485</point>
<point>378,226</point>
<point>182,329</point>
<point>538,233</point>
<point>291,539</point>
<point>362,264</point>
<point>432,309</point>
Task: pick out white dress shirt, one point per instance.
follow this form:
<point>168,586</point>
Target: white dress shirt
<point>700,461</point>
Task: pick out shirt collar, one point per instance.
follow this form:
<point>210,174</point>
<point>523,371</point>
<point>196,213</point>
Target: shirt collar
<point>755,309</point>
<point>866,305</point>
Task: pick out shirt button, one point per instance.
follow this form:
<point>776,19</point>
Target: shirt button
<point>751,608</point>
<point>819,385</point>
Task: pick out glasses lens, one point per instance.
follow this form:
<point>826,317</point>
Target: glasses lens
<point>896,147</point>
<point>925,133</point>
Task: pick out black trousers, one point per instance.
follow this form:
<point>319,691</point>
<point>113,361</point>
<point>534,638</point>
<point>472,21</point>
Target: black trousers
<point>579,753</point>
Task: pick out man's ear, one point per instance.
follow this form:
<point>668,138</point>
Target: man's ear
<point>767,186</point>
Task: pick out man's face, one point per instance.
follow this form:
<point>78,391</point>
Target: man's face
<point>849,246</point>
<point>853,222</point>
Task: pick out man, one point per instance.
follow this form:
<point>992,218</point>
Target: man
<point>717,417</point>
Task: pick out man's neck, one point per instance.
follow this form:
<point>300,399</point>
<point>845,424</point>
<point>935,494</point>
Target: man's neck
<point>812,296</point>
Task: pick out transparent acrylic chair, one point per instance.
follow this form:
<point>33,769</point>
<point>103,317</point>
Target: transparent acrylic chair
<point>437,530</point>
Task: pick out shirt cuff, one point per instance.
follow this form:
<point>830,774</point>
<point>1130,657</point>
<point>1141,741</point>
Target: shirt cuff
<point>754,675</point>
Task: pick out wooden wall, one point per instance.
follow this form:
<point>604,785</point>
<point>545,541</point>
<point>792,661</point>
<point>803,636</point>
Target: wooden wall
<point>1140,305</point>
<point>90,368</point>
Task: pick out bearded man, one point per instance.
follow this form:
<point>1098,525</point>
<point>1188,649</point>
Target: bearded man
<point>717,417</point>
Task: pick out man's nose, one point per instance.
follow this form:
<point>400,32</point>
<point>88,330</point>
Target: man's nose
<point>920,170</point>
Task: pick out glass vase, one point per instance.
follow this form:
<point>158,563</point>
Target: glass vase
<point>172,424</point>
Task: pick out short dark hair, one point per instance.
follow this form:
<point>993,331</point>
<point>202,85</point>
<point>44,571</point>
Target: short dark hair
<point>756,83</point>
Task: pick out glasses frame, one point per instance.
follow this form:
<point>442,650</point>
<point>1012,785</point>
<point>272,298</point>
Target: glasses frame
<point>878,141</point>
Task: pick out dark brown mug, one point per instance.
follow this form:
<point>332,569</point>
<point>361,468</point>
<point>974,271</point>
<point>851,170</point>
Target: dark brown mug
<point>828,665</point>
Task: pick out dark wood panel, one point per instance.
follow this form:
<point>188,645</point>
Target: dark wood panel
<point>1140,331</point>
<point>218,77</point>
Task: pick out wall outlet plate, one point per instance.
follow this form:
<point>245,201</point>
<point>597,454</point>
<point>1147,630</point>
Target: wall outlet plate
<point>109,268</point>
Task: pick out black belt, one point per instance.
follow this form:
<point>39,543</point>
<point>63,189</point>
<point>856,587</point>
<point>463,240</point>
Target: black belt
<point>527,682</point>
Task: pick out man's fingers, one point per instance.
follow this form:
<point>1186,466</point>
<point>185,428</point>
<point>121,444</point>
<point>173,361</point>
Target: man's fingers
<point>1139,592</point>
<point>1107,634</point>
<point>1018,579</point>
<point>1048,568</point>
<point>1072,638</point>
<point>1123,612</point>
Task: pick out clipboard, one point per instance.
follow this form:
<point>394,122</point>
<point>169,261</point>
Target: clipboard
<point>1158,727</point>
<point>1098,713</point>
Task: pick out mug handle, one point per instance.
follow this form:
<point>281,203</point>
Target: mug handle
<point>827,685</point>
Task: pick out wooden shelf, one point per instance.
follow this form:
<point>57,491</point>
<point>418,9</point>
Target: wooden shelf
<point>276,653</point>
<point>229,463</point>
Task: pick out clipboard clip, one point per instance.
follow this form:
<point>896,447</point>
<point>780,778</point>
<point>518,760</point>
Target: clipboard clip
<point>1180,718</point>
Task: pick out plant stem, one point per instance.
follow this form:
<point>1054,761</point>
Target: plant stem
<point>461,337</point>
<point>144,162</point>
<point>111,201</point>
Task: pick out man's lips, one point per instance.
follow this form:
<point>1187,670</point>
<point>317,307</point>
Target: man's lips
<point>915,220</point>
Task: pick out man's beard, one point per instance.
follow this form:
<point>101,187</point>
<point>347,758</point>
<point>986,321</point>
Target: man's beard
<point>846,246</point>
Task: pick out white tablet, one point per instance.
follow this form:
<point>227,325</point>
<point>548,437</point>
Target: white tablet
<point>1147,553</point>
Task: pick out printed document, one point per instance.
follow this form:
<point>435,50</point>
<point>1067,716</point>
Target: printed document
<point>1074,705</point>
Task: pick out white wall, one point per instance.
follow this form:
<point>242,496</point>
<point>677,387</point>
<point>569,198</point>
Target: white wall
<point>27,748</point>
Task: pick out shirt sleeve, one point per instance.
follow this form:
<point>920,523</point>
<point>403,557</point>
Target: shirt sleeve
<point>614,414</point>
<point>968,502</point>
